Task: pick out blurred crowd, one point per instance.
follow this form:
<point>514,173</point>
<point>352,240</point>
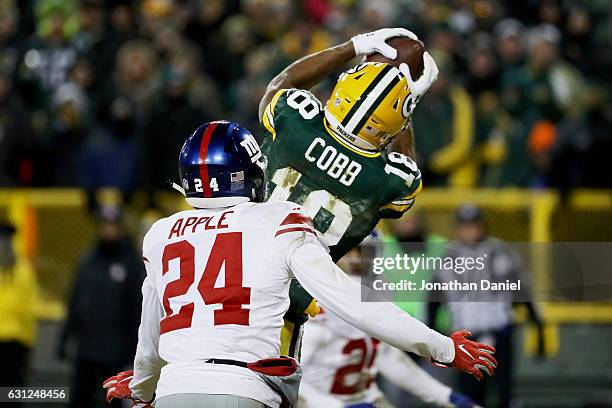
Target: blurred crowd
<point>97,93</point>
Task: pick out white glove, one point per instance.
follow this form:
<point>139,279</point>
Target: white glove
<point>369,43</point>
<point>419,87</point>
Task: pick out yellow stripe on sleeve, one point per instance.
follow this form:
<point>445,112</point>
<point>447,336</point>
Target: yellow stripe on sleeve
<point>268,115</point>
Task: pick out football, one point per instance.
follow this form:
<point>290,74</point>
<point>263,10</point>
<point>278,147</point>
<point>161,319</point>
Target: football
<point>408,50</point>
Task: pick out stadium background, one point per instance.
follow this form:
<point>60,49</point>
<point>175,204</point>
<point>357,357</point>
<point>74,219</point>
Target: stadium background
<point>97,96</point>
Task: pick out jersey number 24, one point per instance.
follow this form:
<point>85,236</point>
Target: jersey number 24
<point>227,249</point>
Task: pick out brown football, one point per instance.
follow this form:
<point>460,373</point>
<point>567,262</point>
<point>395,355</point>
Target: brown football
<point>408,50</point>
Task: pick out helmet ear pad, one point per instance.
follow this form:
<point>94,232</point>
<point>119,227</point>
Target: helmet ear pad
<point>369,105</point>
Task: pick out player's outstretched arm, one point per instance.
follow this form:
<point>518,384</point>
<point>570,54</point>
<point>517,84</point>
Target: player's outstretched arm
<point>312,69</point>
<point>315,270</point>
<point>147,362</point>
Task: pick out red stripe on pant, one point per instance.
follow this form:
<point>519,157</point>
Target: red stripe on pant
<point>203,152</point>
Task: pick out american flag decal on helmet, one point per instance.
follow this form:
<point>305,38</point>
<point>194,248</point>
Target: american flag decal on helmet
<point>237,176</point>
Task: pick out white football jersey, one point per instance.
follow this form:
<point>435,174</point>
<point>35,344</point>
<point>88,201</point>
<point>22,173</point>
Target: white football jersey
<point>222,281</point>
<point>341,362</point>
<point>217,287</point>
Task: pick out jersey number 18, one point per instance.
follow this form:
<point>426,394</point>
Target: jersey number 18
<point>287,178</point>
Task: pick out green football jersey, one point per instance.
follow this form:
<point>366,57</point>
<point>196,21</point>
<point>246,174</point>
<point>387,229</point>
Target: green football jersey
<point>346,191</point>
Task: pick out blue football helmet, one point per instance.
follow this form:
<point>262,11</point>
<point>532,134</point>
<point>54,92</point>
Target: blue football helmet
<point>221,165</point>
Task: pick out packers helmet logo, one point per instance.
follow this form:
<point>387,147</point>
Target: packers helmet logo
<point>407,107</point>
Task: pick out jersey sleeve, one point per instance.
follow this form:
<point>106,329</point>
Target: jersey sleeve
<point>270,112</point>
<point>314,268</point>
<point>147,362</point>
<point>289,105</point>
<point>405,184</point>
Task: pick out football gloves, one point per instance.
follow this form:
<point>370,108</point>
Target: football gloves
<point>419,87</point>
<point>471,357</point>
<point>118,386</point>
<point>369,43</point>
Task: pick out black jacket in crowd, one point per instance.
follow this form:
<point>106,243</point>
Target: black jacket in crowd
<point>104,312</point>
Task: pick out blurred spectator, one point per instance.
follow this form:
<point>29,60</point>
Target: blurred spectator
<point>19,151</point>
<point>237,39</point>
<point>510,43</point>
<point>51,53</point>
<point>578,43</point>
<point>107,287</point>
<point>136,77</point>
<point>488,319</point>
<point>122,27</point>
<point>91,33</point>
<point>109,157</point>
<point>10,41</point>
<point>378,14</point>
<point>541,140</point>
<point>204,24</point>
<point>154,14</point>
<point>18,311</point>
<point>545,88</point>
<point>582,144</point>
<point>444,126</point>
<point>69,125</point>
<point>550,12</point>
<point>246,93</point>
<point>302,39</point>
<point>189,99</point>
<point>409,234</point>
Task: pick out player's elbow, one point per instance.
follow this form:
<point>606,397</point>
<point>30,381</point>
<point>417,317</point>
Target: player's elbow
<point>146,358</point>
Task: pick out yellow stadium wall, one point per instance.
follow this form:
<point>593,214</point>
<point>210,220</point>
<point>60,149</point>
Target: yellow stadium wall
<point>54,228</point>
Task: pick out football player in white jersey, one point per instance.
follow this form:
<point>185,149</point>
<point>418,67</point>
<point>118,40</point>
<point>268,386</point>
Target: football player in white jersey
<point>217,288</point>
<point>341,362</point>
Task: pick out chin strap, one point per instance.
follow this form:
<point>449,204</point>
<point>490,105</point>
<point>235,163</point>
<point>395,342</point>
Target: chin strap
<point>333,126</point>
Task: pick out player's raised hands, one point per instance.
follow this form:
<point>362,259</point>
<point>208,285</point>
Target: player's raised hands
<point>470,356</point>
<point>375,41</point>
<point>118,386</point>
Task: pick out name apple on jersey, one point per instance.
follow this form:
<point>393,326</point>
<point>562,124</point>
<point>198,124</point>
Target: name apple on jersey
<point>202,223</point>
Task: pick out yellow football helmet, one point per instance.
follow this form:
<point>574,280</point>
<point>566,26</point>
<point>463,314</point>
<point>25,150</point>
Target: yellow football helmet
<point>369,105</point>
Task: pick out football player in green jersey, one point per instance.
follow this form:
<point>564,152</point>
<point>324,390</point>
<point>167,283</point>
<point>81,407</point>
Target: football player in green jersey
<point>334,160</point>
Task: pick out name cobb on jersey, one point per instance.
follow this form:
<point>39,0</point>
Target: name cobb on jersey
<point>336,165</point>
